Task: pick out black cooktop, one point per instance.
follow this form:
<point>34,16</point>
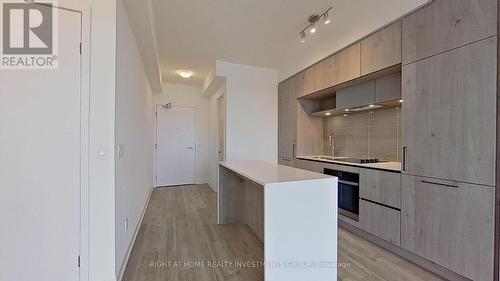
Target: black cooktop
<point>360,160</point>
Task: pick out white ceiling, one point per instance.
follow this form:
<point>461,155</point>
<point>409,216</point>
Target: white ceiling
<point>193,34</point>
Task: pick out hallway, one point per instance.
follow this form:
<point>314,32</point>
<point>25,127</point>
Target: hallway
<point>180,226</point>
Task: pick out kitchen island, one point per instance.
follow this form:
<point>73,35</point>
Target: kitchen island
<point>292,211</point>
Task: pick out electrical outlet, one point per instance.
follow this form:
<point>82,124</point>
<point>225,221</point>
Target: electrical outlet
<point>126,224</point>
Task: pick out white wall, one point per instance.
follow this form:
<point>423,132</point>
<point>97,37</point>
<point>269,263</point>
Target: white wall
<point>185,95</point>
<point>134,133</point>
<point>251,114</point>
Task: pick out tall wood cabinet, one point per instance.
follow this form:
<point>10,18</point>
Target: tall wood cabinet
<point>287,119</point>
<point>381,49</point>
<point>448,115</point>
<point>447,24</point>
<point>450,224</point>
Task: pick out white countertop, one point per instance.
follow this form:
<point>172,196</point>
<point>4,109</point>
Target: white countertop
<point>390,166</point>
<point>264,173</point>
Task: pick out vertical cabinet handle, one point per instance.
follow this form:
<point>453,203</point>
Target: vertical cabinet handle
<point>404,158</point>
<point>293,150</point>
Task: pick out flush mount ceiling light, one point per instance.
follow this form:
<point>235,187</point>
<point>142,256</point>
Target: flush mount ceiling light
<point>185,73</point>
<point>312,28</point>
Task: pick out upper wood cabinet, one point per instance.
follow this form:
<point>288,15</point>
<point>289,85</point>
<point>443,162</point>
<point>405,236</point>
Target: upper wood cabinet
<point>381,187</point>
<point>449,223</point>
<point>343,66</point>
<point>448,115</point>
<point>314,79</point>
<point>446,24</point>
<point>381,49</point>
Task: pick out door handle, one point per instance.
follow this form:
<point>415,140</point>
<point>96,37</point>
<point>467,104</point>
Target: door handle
<point>404,158</point>
<point>440,184</point>
<point>190,147</point>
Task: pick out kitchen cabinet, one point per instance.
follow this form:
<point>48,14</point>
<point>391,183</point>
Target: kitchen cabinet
<point>381,187</point>
<point>448,115</point>
<point>388,88</point>
<point>381,49</point>
<point>447,24</point>
<point>314,80</point>
<point>309,129</point>
<point>312,166</point>
<point>449,223</point>
<point>343,66</point>
<point>359,95</point>
<point>287,119</point>
<point>380,221</point>
<point>286,161</point>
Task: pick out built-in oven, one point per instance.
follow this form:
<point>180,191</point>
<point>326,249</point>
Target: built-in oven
<point>348,192</point>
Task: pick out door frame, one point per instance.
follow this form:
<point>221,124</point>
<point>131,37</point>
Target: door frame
<point>221,98</point>
<point>155,147</point>
<point>82,261</point>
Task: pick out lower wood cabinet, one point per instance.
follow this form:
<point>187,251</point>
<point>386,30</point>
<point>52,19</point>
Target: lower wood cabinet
<point>450,224</point>
<point>381,187</point>
<point>286,161</point>
<point>380,221</point>
<point>308,165</point>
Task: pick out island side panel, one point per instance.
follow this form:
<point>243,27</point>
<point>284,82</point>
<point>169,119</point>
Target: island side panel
<point>230,196</point>
<point>300,224</point>
<point>240,201</point>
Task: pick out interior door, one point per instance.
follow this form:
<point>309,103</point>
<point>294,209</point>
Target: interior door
<point>176,145</point>
<point>40,164</point>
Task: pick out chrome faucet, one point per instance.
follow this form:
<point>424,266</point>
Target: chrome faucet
<point>331,142</point>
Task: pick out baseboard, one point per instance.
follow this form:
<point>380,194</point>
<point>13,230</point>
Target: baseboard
<point>136,231</point>
<point>407,255</point>
<point>211,186</point>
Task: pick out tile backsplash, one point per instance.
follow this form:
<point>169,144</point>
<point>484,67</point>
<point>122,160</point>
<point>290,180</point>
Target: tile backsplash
<point>369,134</point>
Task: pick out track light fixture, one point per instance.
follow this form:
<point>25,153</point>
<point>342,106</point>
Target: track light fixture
<point>302,37</point>
<point>312,28</point>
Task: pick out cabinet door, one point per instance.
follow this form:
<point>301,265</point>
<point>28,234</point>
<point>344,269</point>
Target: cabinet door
<point>314,79</point>
<point>449,223</point>
<point>449,115</point>
<point>388,88</point>
<point>342,67</point>
<point>381,49</point>
<point>447,24</point>
<point>308,165</point>
<point>380,221</point>
<point>381,187</point>
<point>285,120</point>
<point>286,161</point>
<point>355,96</point>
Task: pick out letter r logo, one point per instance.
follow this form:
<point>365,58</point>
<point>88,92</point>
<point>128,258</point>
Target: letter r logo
<point>27,28</point>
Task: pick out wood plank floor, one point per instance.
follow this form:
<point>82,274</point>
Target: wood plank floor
<point>179,240</point>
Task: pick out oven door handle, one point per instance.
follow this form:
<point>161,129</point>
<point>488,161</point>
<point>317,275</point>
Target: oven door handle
<point>349,182</point>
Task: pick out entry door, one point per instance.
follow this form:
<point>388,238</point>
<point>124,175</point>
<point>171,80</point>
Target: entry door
<point>176,145</point>
<point>40,164</point>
